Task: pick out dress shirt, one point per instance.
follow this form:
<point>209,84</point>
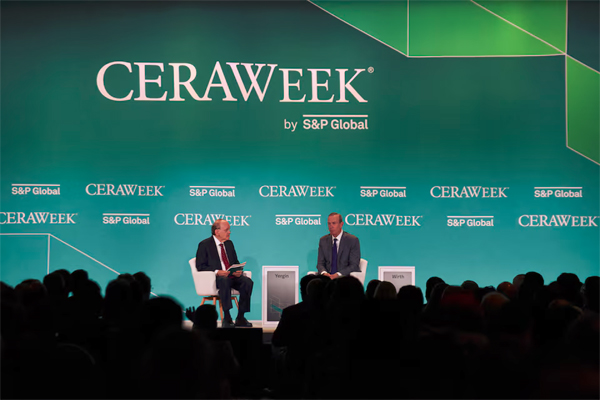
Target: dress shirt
<point>339,240</point>
<point>218,242</point>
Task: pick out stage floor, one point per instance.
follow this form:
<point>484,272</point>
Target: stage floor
<point>187,324</point>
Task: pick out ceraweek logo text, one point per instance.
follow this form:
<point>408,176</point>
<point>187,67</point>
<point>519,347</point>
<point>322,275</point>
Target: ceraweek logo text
<point>467,192</point>
<point>108,189</point>
<point>43,217</point>
<point>212,191</point>
<point>567,192</point>
<point>291,78</point>
<point>43,189</point>
<point>383,220</point>
<point>558,220</point>
<point>298,219</point>
<point>296,191</point>
<point>209,219</point>
<point>125,218</point>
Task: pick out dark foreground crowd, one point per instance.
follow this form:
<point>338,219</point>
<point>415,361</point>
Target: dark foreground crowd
<point>60,338</point>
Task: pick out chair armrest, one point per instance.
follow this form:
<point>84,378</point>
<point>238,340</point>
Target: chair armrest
<point>205,282</point>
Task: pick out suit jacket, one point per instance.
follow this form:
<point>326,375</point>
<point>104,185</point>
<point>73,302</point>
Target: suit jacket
<point>207,255</point>
<point>348,259</point>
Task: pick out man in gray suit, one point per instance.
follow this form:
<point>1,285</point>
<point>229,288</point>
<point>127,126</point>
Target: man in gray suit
<point>339,252</point>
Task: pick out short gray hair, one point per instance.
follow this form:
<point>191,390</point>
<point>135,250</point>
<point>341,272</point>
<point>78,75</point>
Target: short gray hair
<point>216,225</point>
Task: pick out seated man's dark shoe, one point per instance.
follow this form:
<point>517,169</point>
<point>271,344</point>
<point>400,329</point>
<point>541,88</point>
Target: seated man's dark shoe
<point>243,322</point>
<point>227,323</point>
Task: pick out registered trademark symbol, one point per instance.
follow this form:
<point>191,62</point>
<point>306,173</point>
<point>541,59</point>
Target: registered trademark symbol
<point>371,70</point>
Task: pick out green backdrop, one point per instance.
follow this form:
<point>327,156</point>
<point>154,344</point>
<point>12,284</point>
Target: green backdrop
<point>454,94</point>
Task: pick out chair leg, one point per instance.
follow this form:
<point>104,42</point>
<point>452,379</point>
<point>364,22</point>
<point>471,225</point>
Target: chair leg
<point>236,302</point>
<point>221,309</point>
<point>203,300</point>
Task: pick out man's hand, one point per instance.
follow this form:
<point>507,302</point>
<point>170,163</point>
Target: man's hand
<point>189,313</point>
<point>222,273</point>
<point>326,274</point>
<point>334,276</point>
<point>237,274</point>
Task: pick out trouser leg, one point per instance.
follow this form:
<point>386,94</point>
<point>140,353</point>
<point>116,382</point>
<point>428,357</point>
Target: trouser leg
<point>243,285</point>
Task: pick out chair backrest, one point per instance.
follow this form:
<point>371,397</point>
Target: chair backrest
<point>205,283</point>
<point>362,265</point>
<point>363,271</point>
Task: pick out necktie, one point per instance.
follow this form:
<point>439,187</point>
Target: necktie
<point>334,257</point>
<point>224,257</point>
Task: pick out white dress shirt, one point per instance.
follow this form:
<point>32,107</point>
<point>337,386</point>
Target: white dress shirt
<point>218,242</point>
<point>339,240</point>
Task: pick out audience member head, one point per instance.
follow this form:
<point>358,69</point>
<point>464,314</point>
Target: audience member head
<point>518,281</point>
<point>470,285</point>
<point>431,282</point>
<point>410,298</point>
<point>591,294</point>
<point>492,303</point>
<point>31,292</point>
<point>120,302</point>
<point>570,288</point>
<point>532,283</point>
<point>55,285</point>
<point>161,313</point>
<point>67,278</point>
<point>371,287</point>
<point>206,317</point>
<point>316,293</point>
<point>347,290</point>
<point>145,284</point>
<point>507,289</point>
<point>436,296</point>
<point>385,291</point>
<point>77,278</point>
<point>88,297</point>
<point>304,283</point>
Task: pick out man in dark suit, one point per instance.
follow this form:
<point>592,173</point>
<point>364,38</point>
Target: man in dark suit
<point>217,254</point>
<point>339,252</point>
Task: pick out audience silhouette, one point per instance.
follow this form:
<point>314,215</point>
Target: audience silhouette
<point>60,338</point>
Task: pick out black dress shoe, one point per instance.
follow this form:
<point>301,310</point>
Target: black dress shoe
<point>227,323</point>
<point>243,322</point>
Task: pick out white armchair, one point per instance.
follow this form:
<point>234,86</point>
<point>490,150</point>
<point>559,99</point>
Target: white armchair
<point>206,286</point>
<point>358,275</point>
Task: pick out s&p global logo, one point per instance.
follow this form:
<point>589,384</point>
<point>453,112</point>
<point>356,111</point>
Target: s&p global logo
<point>565,192</point>
<point>296,191</point>
<point>125,219</point>
<point>383,191</point>
<point>470,221</point>
<point>212,191</point>
<point>109,189</point>
<point>37,189</point>
<point>298,219</point>
<point>36,217</point>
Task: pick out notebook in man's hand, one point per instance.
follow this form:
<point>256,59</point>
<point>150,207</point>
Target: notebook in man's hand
<point>236,267</point>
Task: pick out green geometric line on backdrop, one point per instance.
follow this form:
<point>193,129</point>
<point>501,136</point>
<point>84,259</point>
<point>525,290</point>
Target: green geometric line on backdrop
<point>452,28</point>
<point>542,18</point>
<point>461,28</point>
<point>384,20</point>
<point>583,110</point>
